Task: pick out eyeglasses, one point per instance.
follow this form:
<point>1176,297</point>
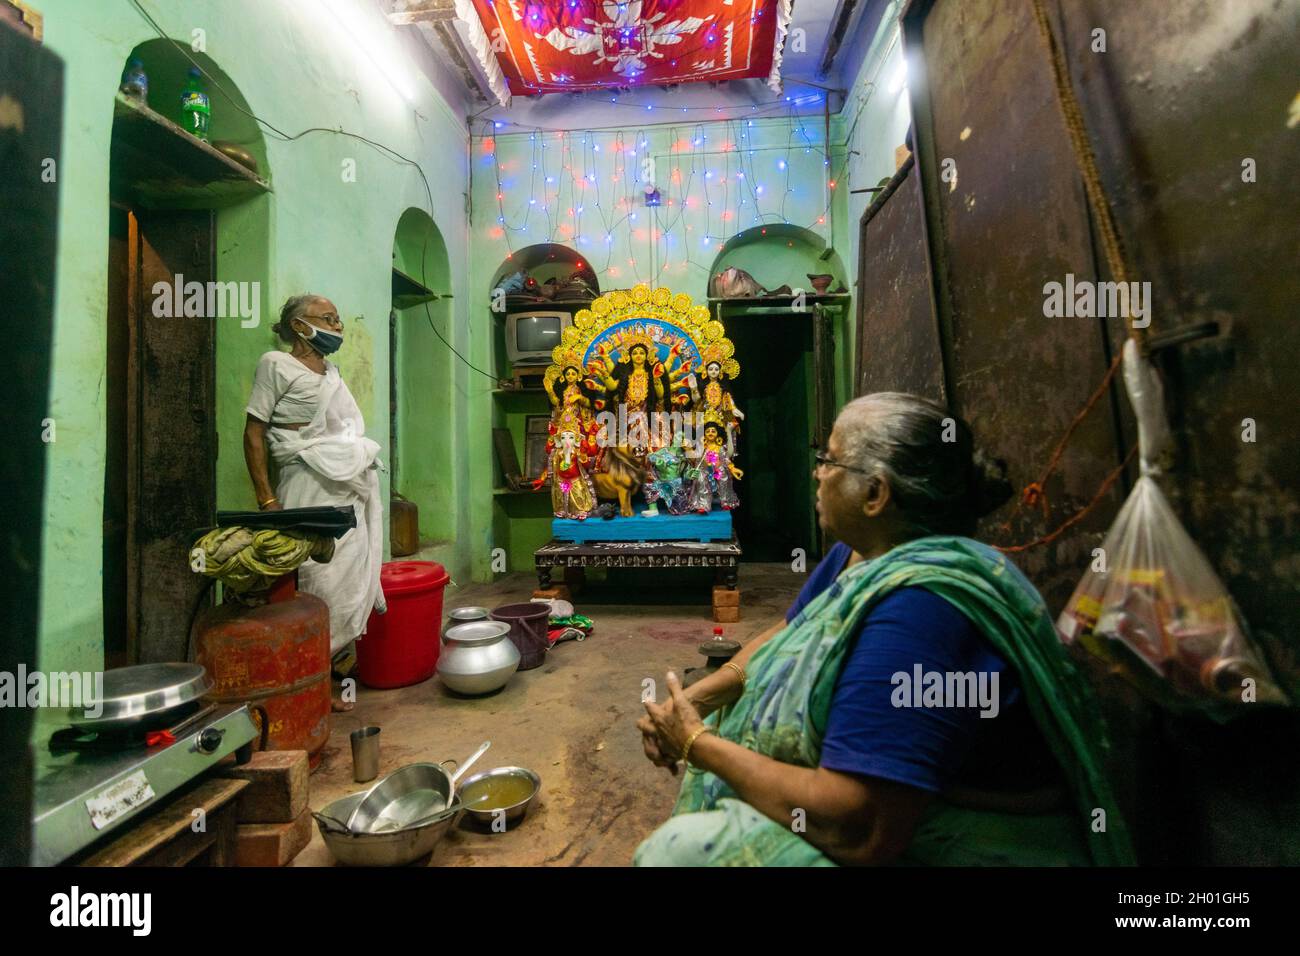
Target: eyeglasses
<point>331,317</point>
<point>823,458</point>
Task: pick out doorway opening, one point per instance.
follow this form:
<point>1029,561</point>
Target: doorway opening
<point>788,386</point>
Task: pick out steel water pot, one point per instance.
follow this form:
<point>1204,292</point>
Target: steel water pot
<point>478,658</point>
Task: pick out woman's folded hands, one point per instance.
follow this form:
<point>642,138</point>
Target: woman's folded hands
<point>668,726</point>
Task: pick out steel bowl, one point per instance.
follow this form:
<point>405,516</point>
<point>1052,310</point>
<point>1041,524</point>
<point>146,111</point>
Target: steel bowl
<point>393,848</point>
<point>484,813</point>
<point>407,794</point>
<point>463,615</point>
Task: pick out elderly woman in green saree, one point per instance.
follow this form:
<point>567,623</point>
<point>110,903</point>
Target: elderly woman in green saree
<point>818,745</point>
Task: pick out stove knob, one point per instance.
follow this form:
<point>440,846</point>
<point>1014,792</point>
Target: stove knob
<point>210,740</point>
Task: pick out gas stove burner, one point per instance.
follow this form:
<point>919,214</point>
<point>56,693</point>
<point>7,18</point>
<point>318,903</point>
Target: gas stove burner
<point>88,784</point>
<point>125,738</point>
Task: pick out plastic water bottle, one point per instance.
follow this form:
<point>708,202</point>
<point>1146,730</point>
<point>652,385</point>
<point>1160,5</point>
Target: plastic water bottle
<point>195,111</point>
<point>135,82</point>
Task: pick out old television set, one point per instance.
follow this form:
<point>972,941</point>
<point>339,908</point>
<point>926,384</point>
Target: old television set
<point>530,336</point>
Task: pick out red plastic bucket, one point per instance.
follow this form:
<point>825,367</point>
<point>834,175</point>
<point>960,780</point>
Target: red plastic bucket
<point>401,647</point>
<point>528,627</point>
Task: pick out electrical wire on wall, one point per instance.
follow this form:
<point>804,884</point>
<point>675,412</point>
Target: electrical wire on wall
<point>288,138</point>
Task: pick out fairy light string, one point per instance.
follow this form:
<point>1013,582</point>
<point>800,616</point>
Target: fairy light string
<point>709,192</point>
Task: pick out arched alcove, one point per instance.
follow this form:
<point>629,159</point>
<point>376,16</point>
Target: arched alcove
<point>546,260</point>
<point>521,518</point>
<point>177,375</point>
<point>420,388</point>
<point>780,254</point>
<point>168,67</point>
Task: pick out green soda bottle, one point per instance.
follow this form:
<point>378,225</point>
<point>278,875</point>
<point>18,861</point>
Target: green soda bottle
<point>195,111</point>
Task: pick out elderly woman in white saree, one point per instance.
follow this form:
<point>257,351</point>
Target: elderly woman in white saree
<point>302,411</point>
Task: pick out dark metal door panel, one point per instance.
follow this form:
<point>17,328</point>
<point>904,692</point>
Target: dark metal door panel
<point>175,439</point>
<point>1014,218</point>
<point>1181,96</point>
<point>898,340</point>
<point>1175,106</point>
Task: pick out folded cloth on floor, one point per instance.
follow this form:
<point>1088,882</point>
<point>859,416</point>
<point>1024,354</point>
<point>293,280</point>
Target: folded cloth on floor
<point>580,621</point>
<point>557,634</point>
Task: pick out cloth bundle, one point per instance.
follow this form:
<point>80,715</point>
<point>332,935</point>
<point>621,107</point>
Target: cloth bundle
<point>246,561</point>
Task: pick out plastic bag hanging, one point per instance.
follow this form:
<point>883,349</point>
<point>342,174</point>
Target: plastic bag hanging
<point>1150,602</point>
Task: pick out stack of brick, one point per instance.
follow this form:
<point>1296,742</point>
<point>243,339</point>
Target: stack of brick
<point>726,605</point>
<point>274,822</point>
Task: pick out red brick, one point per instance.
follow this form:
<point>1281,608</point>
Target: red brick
<point>726,597</point>
<point>278,786</point>
<point>271,844</point>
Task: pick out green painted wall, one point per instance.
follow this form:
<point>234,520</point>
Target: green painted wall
<point>295,67</point>
<point>871,126</point>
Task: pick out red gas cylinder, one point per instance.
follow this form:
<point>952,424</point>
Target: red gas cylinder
<point>276,656</point>
<point>401,646</point>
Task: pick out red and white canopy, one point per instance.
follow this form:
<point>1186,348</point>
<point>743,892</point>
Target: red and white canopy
<point>581,45</point>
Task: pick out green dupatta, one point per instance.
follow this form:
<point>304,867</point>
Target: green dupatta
<point>786,704</point>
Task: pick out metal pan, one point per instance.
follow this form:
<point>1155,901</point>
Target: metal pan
<point>139,695</point>
<point>392,848</point>
<point>408,794</point>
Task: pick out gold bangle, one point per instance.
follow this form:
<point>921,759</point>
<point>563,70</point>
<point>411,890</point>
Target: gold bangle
<point>263,504</point>
<point>686,750</point>
<point>740,671</point>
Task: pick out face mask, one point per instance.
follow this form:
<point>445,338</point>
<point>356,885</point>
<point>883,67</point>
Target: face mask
<point>326,343</point>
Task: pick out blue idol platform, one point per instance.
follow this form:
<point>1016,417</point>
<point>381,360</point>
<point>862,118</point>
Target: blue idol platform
<point>714,526</point>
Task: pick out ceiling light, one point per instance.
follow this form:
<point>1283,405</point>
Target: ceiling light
<point>362,31</point>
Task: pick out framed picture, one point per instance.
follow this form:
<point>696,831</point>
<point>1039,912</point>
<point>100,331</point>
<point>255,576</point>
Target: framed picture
<point>535,435</point>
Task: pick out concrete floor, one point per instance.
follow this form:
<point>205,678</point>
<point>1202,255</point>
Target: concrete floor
<point>572,720</point>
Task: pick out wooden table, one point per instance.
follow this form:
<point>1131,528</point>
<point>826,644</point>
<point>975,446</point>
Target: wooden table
<point>167,836</point>
<point>575,558</point>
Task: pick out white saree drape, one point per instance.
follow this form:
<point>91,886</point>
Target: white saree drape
<point>330,462</point>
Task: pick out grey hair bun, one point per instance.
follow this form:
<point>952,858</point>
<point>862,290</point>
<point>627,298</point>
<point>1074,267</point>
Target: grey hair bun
<point>293,308</point>
<point>989,489</point>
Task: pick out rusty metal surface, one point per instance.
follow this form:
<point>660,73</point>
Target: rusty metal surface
<point>1182,94</point>
<point>1175,105</point>
<point>898,342</point>
<point>1015,218</point>
<point>277,656</point>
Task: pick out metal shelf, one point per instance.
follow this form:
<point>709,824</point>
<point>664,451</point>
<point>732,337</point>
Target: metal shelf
<point>829,298</point>
<point>408,291</point>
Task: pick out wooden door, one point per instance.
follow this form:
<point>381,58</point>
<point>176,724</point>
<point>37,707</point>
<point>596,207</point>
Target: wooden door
<point>170,447</point>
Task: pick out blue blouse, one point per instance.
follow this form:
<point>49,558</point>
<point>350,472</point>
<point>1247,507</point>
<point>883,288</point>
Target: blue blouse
<point>909,702</point>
